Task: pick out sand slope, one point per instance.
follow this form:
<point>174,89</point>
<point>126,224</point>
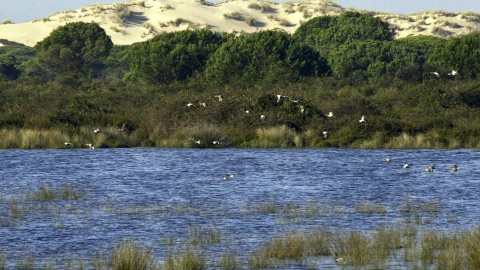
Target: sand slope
<point>136,21</point>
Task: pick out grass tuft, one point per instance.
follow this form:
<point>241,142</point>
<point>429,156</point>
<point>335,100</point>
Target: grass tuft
<point>129,256</point>
<point>190,259</point>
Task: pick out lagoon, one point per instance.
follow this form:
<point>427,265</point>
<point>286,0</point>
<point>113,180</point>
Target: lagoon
<point>157,195</point>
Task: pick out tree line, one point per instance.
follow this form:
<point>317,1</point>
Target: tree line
<point>351,64</point>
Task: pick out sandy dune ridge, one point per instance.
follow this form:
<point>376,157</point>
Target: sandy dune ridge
<point>136,21</point>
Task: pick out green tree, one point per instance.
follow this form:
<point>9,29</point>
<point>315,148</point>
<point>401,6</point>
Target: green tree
<point>327,32</point>
<point>461,54</point>
<point>172,57</point>
<point>73,49</point>
<point>263,55</point>
<point>8,69</point>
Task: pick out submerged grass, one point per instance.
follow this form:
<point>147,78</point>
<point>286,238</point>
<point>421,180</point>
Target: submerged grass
<point>45,193</point>
<point>200,236</point>
<point>374,249</point>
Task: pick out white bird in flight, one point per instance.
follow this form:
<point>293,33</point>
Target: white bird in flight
<point>406,166</point>
<point>97,130</point>
<point>190,104</point>
<point>220,98</point>
<point>325,134</point>
<point>362,120</point>
<point>453,73</point>
<point>436,74</point>
<point>330,114</point>
<point>279,97</point>
<point>262,117</point>
<point>90,146</point>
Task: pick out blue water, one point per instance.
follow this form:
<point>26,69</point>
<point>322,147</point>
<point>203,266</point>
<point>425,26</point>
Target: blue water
<point>180,188</point>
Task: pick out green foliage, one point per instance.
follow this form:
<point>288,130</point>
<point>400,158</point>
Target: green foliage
<point>116,64</point>
<point>388,81</point>
<point>268,55</point>
<point>327,32</point>
<point>8,68</point>
<point>461,54</point>
<point>173,56</point>
<point>73,49</point>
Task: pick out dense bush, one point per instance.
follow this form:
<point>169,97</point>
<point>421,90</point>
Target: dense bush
<point>267,89</point>
<point>327,32</point>
<point>75,49</point>
<point>461,54</point>
<point>172,57</point>
<point>268,55</point>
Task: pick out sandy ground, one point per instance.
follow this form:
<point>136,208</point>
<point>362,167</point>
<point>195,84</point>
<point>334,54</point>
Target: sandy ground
<point>136,21</point>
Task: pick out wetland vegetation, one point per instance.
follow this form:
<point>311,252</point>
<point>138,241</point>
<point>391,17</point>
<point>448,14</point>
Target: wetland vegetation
<point>401,244</point>
<point>415,92</point>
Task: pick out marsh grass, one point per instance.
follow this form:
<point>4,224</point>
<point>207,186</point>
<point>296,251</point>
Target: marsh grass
<point>55,139</point>
<point>229,260</point>
<point>471,244</point>
<point>189,259</point>
<point>429,206</point>
<point>32,139</point>
<point>3,260</point>
<point>203,136</point>
<point>200,236</point>
<point>408,207</point>
<point>45,193</point>
<point>354,248</point>
<point>267,208</point>
<point>319,243</point>
<point>291,246</point>
<point>258,260</point>
<point>450,259</point>
<point>280,136</point>
<point>128,255</point>
<point>365,207</point>
<point>99,261</point>
<point>26,263</point>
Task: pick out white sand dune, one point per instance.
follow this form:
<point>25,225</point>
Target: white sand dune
<point>136,21</point>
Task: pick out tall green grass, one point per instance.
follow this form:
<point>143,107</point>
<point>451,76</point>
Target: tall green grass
<point>128,255</point>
